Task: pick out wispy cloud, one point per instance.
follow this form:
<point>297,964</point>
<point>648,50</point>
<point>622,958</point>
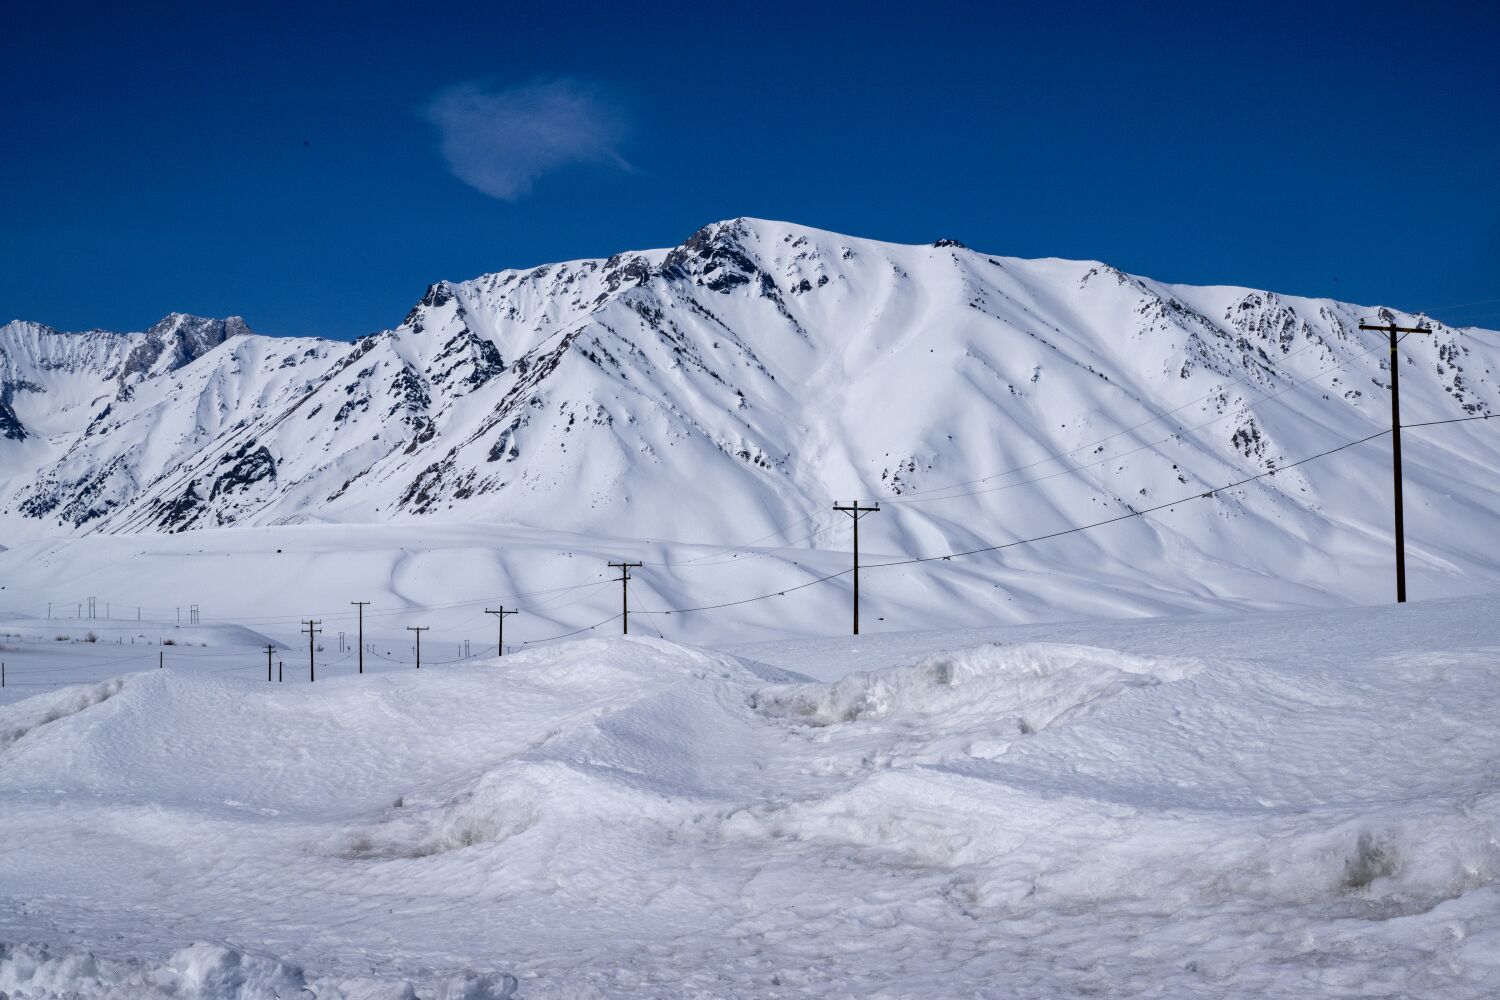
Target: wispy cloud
<point>500,141</point>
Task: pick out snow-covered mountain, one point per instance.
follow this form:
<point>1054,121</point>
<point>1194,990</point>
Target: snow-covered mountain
<point>727,389</point>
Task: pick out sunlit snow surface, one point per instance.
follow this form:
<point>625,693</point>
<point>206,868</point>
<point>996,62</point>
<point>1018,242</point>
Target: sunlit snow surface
<point>1270,805</point>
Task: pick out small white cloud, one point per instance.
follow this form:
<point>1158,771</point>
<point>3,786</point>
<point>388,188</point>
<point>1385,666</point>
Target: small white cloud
<point>501,141</point>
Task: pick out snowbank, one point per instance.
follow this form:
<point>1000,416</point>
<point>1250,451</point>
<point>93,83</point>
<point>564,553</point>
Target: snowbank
<point>208,972</point>
<point>630,817</point>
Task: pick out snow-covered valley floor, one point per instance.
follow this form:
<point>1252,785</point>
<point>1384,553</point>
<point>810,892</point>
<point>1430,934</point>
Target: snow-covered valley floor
<point>1286,804</point>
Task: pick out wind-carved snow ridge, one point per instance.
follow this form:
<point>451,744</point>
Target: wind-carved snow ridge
<point>47,708</point>
<point>1033,686</point>
<point>776,367</point>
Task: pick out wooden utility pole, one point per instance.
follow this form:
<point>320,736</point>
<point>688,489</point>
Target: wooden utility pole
<point>419,629</point>
<point>312,668</point>
<point>269,648</point>
<point>500,619</point>
<point>625,568</point>
<point>362,605</point>
<point>855,511</point>
<point>1391,330</point>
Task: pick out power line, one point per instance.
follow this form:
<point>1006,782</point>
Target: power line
<point>1072,530</point>
<point>911,497</point>
<point>642,606</point>
<point>1460,305</point>
<point>1172,503</point>
<point>1133,513</point>
<point>915,499</point>
<point>1220,389</point>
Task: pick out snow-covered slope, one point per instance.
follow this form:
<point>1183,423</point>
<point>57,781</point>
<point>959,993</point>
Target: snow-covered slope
<point>1271,806</point>
<point>727,389</point>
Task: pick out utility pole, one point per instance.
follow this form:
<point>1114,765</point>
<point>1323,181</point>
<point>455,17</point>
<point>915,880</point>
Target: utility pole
<point>855,511</point>
<point>500,619</point>
<point>312,668</point>
<point>1391,330</point>
<point>362,605</point>
<point>624,568</point>
<point>419,629</point>
<point>269,648</point>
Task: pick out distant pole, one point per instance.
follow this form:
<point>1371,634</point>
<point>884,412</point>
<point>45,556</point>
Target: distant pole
<point>855,511</point>
<point>361,605</point>
<point>624,568</point>
<point>419,629</point>
<point>2,673</point>
<point>161,659</point>
<point>278,671</point>
<point>311,630</point>
<point>269,647</point>
<point>500,619</point>
<point>1391,330</point>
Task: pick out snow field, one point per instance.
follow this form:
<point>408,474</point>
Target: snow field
<point>629,817</point>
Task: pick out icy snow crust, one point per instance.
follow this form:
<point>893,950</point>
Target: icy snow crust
<point>1272,805</point>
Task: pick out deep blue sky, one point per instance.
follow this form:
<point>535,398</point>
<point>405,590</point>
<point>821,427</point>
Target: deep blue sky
<point>284,163</point>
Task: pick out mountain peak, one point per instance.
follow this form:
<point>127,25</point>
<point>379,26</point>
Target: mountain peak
<point>187,324</point>
<point>715,255</point>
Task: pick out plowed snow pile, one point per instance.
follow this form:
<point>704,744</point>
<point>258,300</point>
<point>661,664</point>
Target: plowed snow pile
<point>1314,814</point>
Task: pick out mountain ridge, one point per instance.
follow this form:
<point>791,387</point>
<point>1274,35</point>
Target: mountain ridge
<point>767,366</point>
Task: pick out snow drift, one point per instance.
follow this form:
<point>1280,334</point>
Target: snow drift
<point>633,817</point>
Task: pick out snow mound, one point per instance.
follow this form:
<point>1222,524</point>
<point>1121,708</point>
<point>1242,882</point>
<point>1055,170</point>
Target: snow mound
<point>43,709</point>
<point>1315,815</point>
